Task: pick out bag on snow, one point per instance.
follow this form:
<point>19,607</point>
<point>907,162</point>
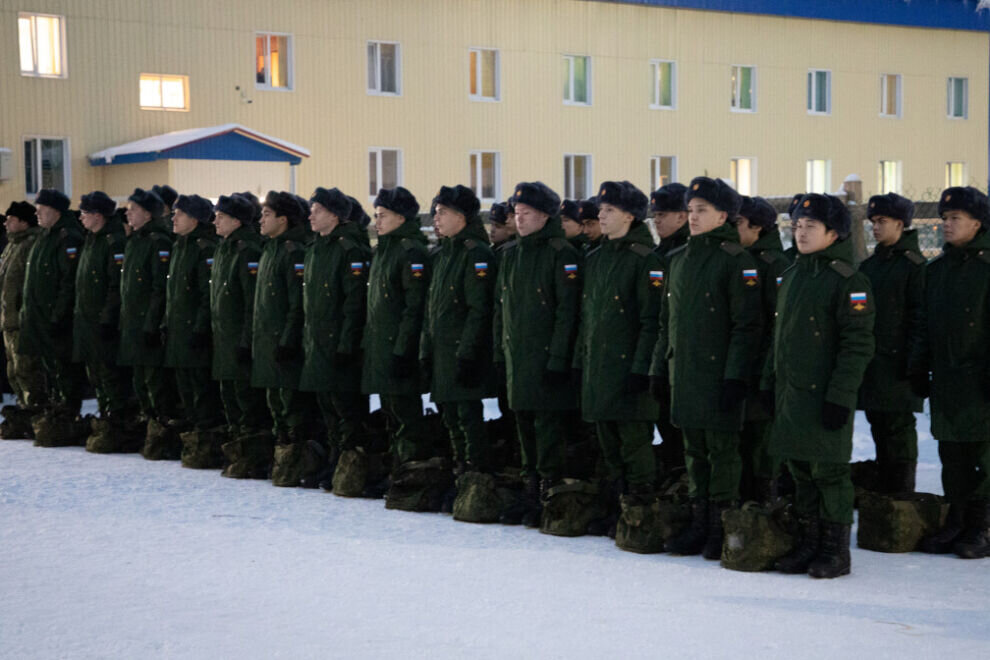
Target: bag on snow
<point>897,523</point>
<point>419,485</point>
<point>570,506</point>
<point>477,498</point>
<point>756,536</point>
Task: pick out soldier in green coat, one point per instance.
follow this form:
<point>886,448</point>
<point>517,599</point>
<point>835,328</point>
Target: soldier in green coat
<point>590,225</point>
<point>186,324</point>
<point>537,303</point>
<point>500,231</point>
<point>618,328</point>
<point>757,227</point>
<point>49,298</point>
<point>709,335</point>
<point>456,345</point>
<point>897,274</point>
<point>956,349</point>
<point>570,214</point>
<point>670,223</point>
<point>397,286</point>
<point>822,344</point>
<point>24,372</point>
<point>791,253</point>
<point>95,333</point>
<point>276,335</point>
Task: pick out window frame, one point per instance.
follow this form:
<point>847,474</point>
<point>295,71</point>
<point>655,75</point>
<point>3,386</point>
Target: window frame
<point>66,159</point>
<point>898,176</point>
<point>378,67</point>
<point>808,174</point>
<point>654,182</point>
<point>378,170</point>
<point>948,173</point>
<point>289,58</point>
<point>571,193</point>
<point>498,75</point>
<point>950,96</point>
<point>812,94</point>
<point>161,78</point>
<point>753,82</point>
<point>570,59</point>
<point>34,45</point>
<point>655,100</point>
<point>478,153</point>
<point>733,163</point>
<point>898,95</point>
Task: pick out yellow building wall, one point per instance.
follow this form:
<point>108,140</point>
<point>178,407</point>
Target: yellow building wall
<point>111,42</point>
<point>119,181</point>
<point>212,178</point>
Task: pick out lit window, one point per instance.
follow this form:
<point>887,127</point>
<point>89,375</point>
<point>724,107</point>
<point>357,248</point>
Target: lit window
<point>384,72</point>
<point>662,84</point>
<point>890,95</point>
<point>163,92</point>
<point>662,171</point>
<point>483,72</point>
<point>818,176</point>
<point>742,171</point>
<point>273,61</point>
<point>41,40</point>
<point>46,165</point>
<point>958,98</point>
<point>485,175</point>
<point>955,174</point>
<point>743,89</point>
<point>384,169</point>
<point>577,176</point>
<point>577,79</point>
<point>819,92</point>
<point>889,180</point>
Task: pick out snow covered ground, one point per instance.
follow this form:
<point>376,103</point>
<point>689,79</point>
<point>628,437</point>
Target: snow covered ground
<point>118,557</point>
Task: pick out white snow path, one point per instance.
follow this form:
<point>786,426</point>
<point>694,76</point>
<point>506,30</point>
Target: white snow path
<point>118,557</point>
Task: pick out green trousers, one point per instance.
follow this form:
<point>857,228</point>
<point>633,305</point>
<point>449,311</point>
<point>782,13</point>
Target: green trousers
<point>823,490</point>
<point>465,422</point>
<point>542,441</point>
<point>288,409</point>
<point>199,396</point>
<point>155,390</point>
<point>110,383</point>
<point>894,435</point>
<point>343,413</point>
<point>405,412</point>
<point>25,374</point>
<point>66,380</point>
<point>965,470</point>
<point>627,448</point>
<point>672,439</point>
<point>713,464</point>
<point>244,407</point>
<point>757,463</point>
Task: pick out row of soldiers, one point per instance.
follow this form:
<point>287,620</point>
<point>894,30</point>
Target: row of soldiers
<point>747,363</point>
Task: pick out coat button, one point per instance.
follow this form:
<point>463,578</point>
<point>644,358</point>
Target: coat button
<point>813,386</point>
<point>713,358</point>
<point>811,318</point>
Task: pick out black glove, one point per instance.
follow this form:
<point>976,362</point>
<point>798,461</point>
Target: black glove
<point>286,353</point>
<point>62,325</point>
<point>341,360</point>
<point>768,399</point>
<point>467,373</point>
<point>402,366</point>
<point>732,394</point>
<point>577,376</point>
<point>660,389</point>
<point>108,331</point>
<point>552,378</point>
<point>921,385</point>
<point>500,372</point>
<point>243,354</point>
<point>426,373</point>
<point>637,383</point>
<point>199,340</point>
<point>834,416</point>
<point>152,339</point>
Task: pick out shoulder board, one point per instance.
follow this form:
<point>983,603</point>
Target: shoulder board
<point>291,246</point>
<point>470,243</point>
<point>937,257</point>
<point>592,251</point>
<point>63,233</point>
<point>914,257</point>
<point>204,243</point>
<point>640,250</point>
<point>767,257</point>
<point>559,244</point>
<point>676,250</point>
<point>842,268</point>
<point>409,245</point>
<point>347,243</point>
<point>731,248</point>
<point>240,245</point>
<point>983,255</point>
<point>508,245</point>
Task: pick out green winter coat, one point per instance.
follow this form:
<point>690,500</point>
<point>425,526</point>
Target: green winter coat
<point>822,343</point>
<point>335,294</point>
<point>187,306</point>
<point>278,310</point>
<point>620,307</point>
<point>232,284</point>
<point>537,311</point>
<point>50,290</point>
<point>142,293</point>
<point>957,341</point>
<point>13,264</point>
<point>671,243</point>
<point>897,275</point>
<point>98,293</point>
<point>397,287</point>
<point>768,255</point>
<point>458,320</point>
<point>710,324</point>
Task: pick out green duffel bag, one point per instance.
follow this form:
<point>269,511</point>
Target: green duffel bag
<point>351,475</point>
<point>570,505</point>
<point>419,485</point>
<point>16,424</point>
<point>60,430</point>
<point>477,498</point>
<point>897,523</point>
<point>288,465</point>
<point>249,455</point>
<point>201,449</point>
<point>756,536</point>
<point>640,527</point>
<point>161,443</point>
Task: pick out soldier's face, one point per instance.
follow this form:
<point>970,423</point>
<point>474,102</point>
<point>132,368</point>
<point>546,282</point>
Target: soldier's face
<point>510,222</point>
<point>137,215</point>
<point>748,234</point>
<point>499,233</point>
<point>92,221</point>
<point>183,223</point>
<point>271,224</point>
<point>615,222</point>
<point>592,229</point>
<point>812,236</point>
<point>958,227</point>
<point>225,224</point>
<point>886,231</point>
<point>448,221</point>
<point>387,221</point>
<point>703,217</point>
<point>47,216</point>
<point>668,222</point>
<point>529,220</point>
<point>13,224</point>
<point>571,227</point>
<point>321,220</point>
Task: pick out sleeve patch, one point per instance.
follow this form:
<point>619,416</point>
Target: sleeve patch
<point>209,262</point>
<point>656,278</point>
<point>299,268</point>
<point>118,258</point>
<point>71,252</point>
<point>750,277</point>
<point>481,269</point>
<point>571,271</point>
<point>857,301</point>
<point>780,280</point>
<point>416,270</point>
<point>163,255</point>
<point>252,267</point>
<point>357,267</point>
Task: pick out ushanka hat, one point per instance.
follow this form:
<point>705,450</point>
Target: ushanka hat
<point>827,209</point>
<point>334,201</point>
<point>967,199</point>
<point>759,212</point>
<point>625,196</point>
<point>398,200</point>
<point>195,206</point>
<point>538,195</point>
<point>893,206</point>
<point>148,200</point>
<point>668,199</point>
<point>716,192</point>
<point>53,198</point>
<point>460,198</point>
<point>98,202</point>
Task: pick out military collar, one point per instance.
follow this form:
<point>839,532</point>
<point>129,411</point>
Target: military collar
<point>675,240</point>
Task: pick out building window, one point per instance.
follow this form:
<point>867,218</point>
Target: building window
<point>819,92</point>
<point>485,176</point>
<point>889,180</point>
<point>663,170</point>
<point>273,61</point>
<point>818,176</point>
<point>662,82</point>
<point>955,174</point>
<point>162,92</point>
<point>384,68</point>
<point>890,95</point>
<point>41,38</point>
<point>384,169</point>
<point>744,88</point>
<point>577,176</point>
<point>577,79</point>
<point>742,171</point>
<point>958,98</point>
<point>484,74</point>
<point>46,164</point>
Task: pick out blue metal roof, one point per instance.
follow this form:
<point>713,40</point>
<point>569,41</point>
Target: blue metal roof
<point>944,14</point>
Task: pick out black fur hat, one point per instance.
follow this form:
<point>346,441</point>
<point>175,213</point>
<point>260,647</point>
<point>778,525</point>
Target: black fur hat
<point>668,199</point>
<point>166,193</point>
<point>53,198</point>
<point>792,205</point>
<point>98,202</point>
<point>893,206</point>
<point>333,200</point>
<point>589,210</point>
<point>23,211</point>
<point>538,195</point>
<point>570,209</point>
<point>759,212</point>
<point>461,199</point>
<point>498,213</point>
<point>195,207</point>
<point>967,199</point>
<point>398,200</point>
<point>625,196</point>
<point>148,200</point>
<point>827,209</point>
<point>285,204</point>
<point>237,207</point>
<point>716,192</point>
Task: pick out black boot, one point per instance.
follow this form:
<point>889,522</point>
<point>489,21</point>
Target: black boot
<point>941,541</point>
<point>713,544</point>
<point>898,477</point>
<point>606,526</point>
<point>692,540</point>
<point>535,513</point>
<point>798,560</point>
<point>833,559</point>
<point>333,457</point>
<point>974,542</point>
<point>765,490</point>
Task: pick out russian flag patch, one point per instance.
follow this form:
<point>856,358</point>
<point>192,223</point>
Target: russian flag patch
<point>858,301</point>
<point>357,267</point>
<point>416,269</point>
<point>253,267</point>
<point>656,278</point>
<point>209,262</point>
<point>71,252</point>
<point>481,269</point>
<point>780,280</point>
<point>163,255</point>
<point>299,268</point>
<point>118,259</point>
<point>750,276</point>
<point>571,271</point>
